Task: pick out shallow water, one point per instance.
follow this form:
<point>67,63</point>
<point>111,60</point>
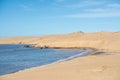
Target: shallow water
<point>14,58</point>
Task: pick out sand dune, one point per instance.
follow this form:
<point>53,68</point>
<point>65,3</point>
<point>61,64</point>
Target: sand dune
<point>100,40</point>
<point>104,64</point>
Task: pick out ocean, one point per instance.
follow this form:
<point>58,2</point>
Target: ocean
<point>15,57</point>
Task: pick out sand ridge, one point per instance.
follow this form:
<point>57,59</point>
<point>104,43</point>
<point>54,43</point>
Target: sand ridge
<point>109,41</point>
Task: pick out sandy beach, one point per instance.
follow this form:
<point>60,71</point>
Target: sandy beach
<point>103,64</point>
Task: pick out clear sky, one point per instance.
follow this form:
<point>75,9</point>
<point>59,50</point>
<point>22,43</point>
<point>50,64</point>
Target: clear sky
<point>42,17</point>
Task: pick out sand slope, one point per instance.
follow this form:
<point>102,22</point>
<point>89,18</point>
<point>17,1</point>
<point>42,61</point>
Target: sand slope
<point>99,40</point>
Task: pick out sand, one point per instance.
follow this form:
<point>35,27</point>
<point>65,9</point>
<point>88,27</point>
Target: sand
<point>109,41</point>
<point>103,64</point>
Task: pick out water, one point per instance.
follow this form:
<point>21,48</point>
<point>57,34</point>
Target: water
<point>14,58</point>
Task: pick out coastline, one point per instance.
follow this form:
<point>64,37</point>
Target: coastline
<point>88,52</point>
<point>102,64</point>
<point>95,67</point>
<point>85,52</point>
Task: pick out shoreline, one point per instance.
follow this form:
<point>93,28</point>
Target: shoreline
<point>40,69</point>
<point>93,52</point>
<point>88,51</point>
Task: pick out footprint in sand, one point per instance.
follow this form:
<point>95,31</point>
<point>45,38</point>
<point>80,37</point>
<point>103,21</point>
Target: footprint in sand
<point>100,69</point>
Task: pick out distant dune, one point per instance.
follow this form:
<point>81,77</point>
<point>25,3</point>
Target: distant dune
<point>109,41</point>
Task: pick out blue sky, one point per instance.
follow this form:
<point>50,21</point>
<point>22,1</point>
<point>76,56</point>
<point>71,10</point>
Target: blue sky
<point>42,17</point>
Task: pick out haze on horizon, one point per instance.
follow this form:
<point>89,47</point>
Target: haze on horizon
<point>42,17</point>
